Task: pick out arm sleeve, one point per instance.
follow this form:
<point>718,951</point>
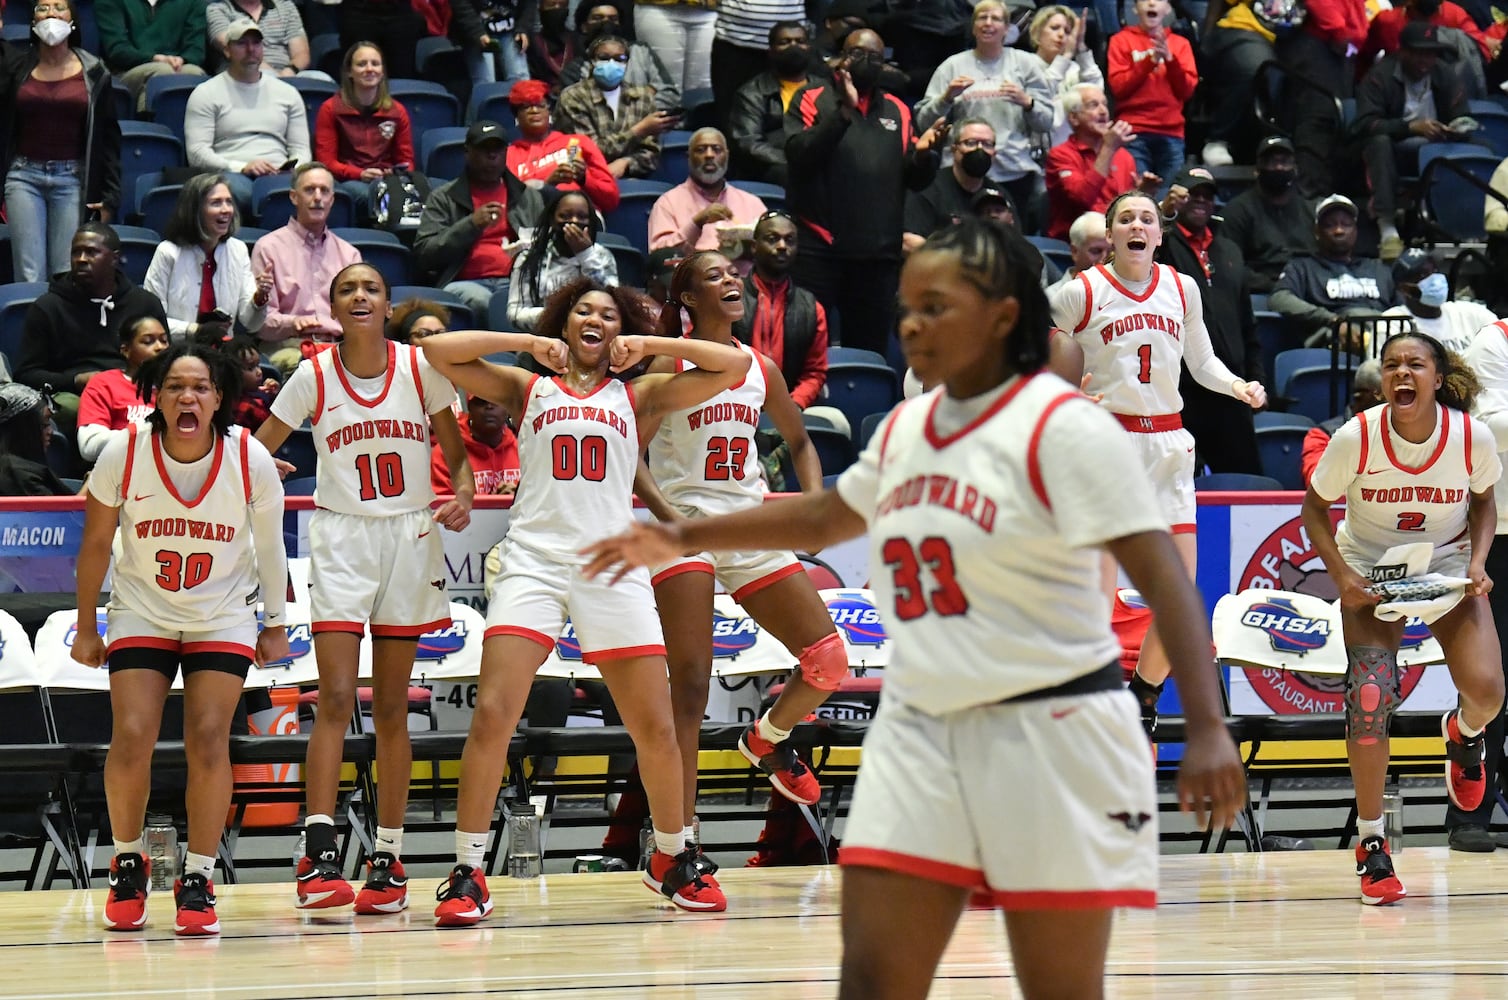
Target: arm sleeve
<point>251,315</point>
<point>267,533</point>
<point>1336,468</point>
<point>326,145</point>
<point>35,358</point>
<point>294,402</point>
<point>1373,117</point>
<point>1488,355</point>
<point>1080,449</point>
<point>811,134</point>
<point>1198,353</point>
<point>814,369</point>
<point>746,130</point>
<point>523,315</point>
<point>159,276</point>
<point>107,142</point>
<point>192,36</point>
<point>1070,181</point>
<point>439,394</point>
<point>104,480</point>
<point>932,106</point>
<point>1486,466</point>
<point>1287,299</point>
<point>298,127</point>
<point>120,52</point>
<point>1125,74</point>
<point>1183,75</point>
<point>217,22</point>
<point>1039,117</point>
<point>666,231</point>
<point>93,438</point>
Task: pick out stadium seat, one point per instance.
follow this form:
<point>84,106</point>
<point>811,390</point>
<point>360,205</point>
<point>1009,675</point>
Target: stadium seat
<point>631,218</point>
<point>460,313</point>
<point>250,234</point>
<point>859,389</point>
<point>1274,418</point>
<point>1290,361</point>
<point>299,450</point>
<point>868,427</point>
<point>442,151</point>
<point>773,195</point>
<point>1318,392</point>
<point>383,250</point>
<point>158,204</point>
<point>7,269</point>
<point>1275,335</point>
<point>146,148</point>
<point>137,245</point>
<point>1057,251</point>
<point>15,300</point>
<point>167,97</point>
<point>429,105</point>
<point>315,93</point>
<point>1235,481</point>
<point>1450,201</point>
<point>125,104</point>
<point>633,267</point>
<point>497,313</point>
<point>17,32</point>
<point>325,49</point>
<point>272,208</point>
<point>701,109</point>
<point>1281,450</point>
<point>303,486</point>
<point>841,355</point>
<point>489,102</point>
<point>675,155</point>
<point>834,448</point>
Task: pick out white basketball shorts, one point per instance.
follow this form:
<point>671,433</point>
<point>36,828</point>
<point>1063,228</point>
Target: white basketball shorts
<point>388,572</point>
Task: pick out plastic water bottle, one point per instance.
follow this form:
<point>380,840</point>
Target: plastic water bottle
<point>523,841</point>
<point>1392,821</point>
<point>300,849</point>
<point>646,845</point>
<point>162,848</point>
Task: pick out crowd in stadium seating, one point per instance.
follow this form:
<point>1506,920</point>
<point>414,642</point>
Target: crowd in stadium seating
<point>487,152</point>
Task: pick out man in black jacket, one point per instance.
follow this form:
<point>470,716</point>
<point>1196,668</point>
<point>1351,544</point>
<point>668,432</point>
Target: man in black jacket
<point>72,331</point>
<point>756,124</point>
<point>781,321</point>
<point>852,157</point>
<point>1222,427</point>
<point>1271,221</point>
<point>1402,103</point>
<point>469,223</point>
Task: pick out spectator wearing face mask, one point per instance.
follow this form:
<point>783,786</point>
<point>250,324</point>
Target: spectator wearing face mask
<point>1272,221</point>
<point>948,198</point>
<point>756,126</point>
<point>620,117</point>
<point>643,68</point>
<point>1425,291</point>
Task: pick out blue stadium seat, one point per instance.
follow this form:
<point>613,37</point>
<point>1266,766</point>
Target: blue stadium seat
<point>315,93</point>
<point>442,151</point>
<point>1281,450</point>
<point>358,234</point>
<point>299,450</point>
<point>1236,481</point>
<point>1290,361</point>
<point>1057,251</point>
<point>1318,392</point>
<point>272,208</point>
<point>834,448</point>
<point>146,148</point>
<point>675,155</point>
<point>859,389</point>
<point>303,486</point>
<point>1276,335</point>
<point>15,300</point>
<point>497,313</point>
<point>137,245</point>
<point>133,194</point>
<point>631,218</point>
<point>842,355</point>
<point>326,47</point>
<point>773,195</point>
<point>633,267</point>
<point>1274,418</point>
<point>460,313</point>
<point>1450,201</point>
<point>7,268</point>
<point>429,105</point>
<point>390,258</point>
<point>125,104</point>
<point>167,97</point>
<point>868,427</point>
<point>250,234</point>
<point>489,102</point>
<point>158,204</point>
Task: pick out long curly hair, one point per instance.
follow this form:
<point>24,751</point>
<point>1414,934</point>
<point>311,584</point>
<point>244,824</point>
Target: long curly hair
<point>636,310</point>
<point>1459,385</point>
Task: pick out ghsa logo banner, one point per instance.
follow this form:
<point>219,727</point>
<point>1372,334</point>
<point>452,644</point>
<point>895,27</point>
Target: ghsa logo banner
<point>99,623</point>
<point>1286,628</point>
<point>855,614</point>
<point>442,642</point>
<point>300,643</point>
<point>730,637</point>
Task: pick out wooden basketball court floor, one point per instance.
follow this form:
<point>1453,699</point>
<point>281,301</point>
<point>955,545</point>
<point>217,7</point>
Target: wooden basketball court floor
<point>1232,925</point>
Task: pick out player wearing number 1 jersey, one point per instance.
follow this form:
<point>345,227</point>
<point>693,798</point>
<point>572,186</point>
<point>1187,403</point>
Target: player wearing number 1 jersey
<point>703,462</point>
<point>200,511</point>
<point>579,442</point>
<point>375,559</point>
<point>1004,757</point>
<point>1138,323</point>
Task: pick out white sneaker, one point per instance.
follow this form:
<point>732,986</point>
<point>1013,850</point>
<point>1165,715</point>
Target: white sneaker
<point>1216,154</point>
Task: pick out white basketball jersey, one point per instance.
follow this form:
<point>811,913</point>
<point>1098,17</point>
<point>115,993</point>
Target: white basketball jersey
<point>1133,344</point>
<point>1390,502</point>
<point>374,454</point>
<point>187,563</point>
<point>705,457</point>
<point>989,588</point>
<point>579,455</point>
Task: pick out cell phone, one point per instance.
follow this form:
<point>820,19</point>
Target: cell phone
<point>288,166</point>
<point>676,112</point>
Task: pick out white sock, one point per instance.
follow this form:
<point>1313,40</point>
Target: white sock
<point>1466,731</point>
<point>470,847</point>
<point>1370,828</point>
<point>688,835</point>
<point>767,731</point>
<point>389,839</point>
<point>198,864</point>
<point>318,818</point>
<point>671,843</point>
<point>130,846</point>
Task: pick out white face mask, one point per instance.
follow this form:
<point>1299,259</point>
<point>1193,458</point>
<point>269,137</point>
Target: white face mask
<point>52,30</point>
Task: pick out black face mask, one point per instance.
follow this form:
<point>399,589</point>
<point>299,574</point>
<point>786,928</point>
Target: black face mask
<point>790,60</point>
<point>552,22</point>
<point>1276,181</point>
<point>976,162</point>
<point>864,69</point>
<point>605,28</point>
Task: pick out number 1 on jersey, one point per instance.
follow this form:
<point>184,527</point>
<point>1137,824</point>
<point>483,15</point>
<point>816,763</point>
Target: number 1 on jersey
<point>1144,353</point>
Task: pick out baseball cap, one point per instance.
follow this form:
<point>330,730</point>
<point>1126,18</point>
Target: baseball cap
<point>1274,143</point>
<point>241,28</point>
<point>485,131</point>
<point>1411,265</point>
<point>1424,37</point>
<point>989,193</point>
<point>1335,201</point>
<point>1190,178</point>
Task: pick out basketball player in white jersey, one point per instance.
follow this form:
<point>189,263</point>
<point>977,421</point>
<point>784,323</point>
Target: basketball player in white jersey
<point>1419,469</point>
<point>704,462</point>
<point>1138,322</point>
<point>200,510</point>
<point>1005,756</point>
<point>579,443</point>
<point>376,561</point>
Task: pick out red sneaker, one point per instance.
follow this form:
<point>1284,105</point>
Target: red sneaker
<point>126,904</point>
<point>1465,777</point>
<point>1379,884</point>
<point>785,769</point>
<point>195,897</point>
<point>320,886</point>
<point>464,899</point>
<point>386,888</point>
<point>685,881</point>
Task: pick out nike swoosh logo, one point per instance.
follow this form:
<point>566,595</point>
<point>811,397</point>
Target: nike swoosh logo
<point>425,535</point>
<point>143,496</point>
<point>334,406</point>
<point>397,883</point>
<point>1063,713</point>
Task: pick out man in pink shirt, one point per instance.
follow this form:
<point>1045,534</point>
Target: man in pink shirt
<point>302,257</point>
<point>694,214</point>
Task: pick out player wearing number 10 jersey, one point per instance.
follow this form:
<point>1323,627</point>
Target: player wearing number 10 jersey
<point>375,559</point>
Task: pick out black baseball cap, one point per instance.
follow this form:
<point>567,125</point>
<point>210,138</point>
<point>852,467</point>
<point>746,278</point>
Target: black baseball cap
<point>1190,178</point>
<point>1274,144</point>
<point>1423,37</point>
<point>485,131</point>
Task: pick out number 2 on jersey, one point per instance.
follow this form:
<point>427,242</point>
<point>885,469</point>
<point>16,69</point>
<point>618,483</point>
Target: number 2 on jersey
<point>937,556</point>
<point>388,478</point>
<point>175,571</point>
<point>1144,372</point>
<point>1411,520</point>
<point>727,459</point>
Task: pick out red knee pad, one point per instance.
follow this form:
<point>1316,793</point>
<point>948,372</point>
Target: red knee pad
<point>824,664</point>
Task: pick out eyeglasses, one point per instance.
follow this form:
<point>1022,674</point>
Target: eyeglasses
<point>775,213</point>
<point>50,8</point>
<point>988,144</point>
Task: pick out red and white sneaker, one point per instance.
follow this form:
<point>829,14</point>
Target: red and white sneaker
<point>1379,883</point>
<point>686,881</point>
<point>782,765</point>
<point>1465,777</point>
<point>464,899</point>
<point>195,897</point>
<point>126,904</point>
<point>320,886</point>
<point>386,888</point>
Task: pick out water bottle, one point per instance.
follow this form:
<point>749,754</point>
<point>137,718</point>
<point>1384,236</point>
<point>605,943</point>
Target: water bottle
<point>300,849</point>
<point>523,841</point>
<point>646,845</point>
<point>162,848</point>
<point>1392,821</point>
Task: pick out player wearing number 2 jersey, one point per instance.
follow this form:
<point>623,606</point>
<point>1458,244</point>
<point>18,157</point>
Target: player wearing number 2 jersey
<point>200,511</point>
<point>1004,757</point>
<point>579,443</point>
<point>375,559</point>
<point>1419,469</point>
<point>703,462</point>
<point>1138,323</point>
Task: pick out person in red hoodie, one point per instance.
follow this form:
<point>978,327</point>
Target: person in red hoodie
<point>362,133</point>
<point>1322,52</point>
<point>568,161</point>
<point>491,446</point>
<point>1152,74</point>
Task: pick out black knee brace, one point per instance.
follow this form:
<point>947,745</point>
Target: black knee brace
<point>1371,693</point>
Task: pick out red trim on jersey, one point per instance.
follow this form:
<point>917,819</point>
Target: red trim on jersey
<point>125,480</point>
<point>523,633</point>
<point>1090,899</point>
<point>597,656</point>
<point>767,580</point>
<point>754,359</point>
<point>1366,435</point>
<point>1182,298</point>
<point>408,631</point>
<point>209,481</point>
<point>337,626</point>
<point>319,389</point>
<point>889,426</point>
<point>678,569</point>
<point>234,648</point>
<point>1185,529</point>
<point>1109,275</point>
<point>1033,459</point>
<point>1387,441</point>
<point>574,395</point>
<point>143,642</point>
<point>246,463</point>
<point>387,379</point>
<point>910,864</point>
<point>1466,428</point>
<point>1088,301</point>
<point>413,367</point>
<point>1153,424</point>
<point>939,442</point>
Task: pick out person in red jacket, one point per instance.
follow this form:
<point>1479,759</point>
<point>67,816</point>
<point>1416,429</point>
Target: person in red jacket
<point>362,133</point>
<point>1152,74</point>
<point>491,446</point>
<point>110,401</point>
<point>569,161</point>
<point>1322,51</point>
<point>1086,172</point>
<point>1386,30</point>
